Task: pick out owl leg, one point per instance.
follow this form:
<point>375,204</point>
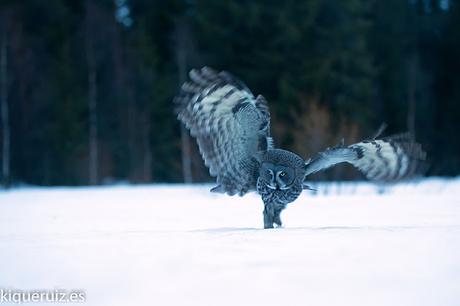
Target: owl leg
<point>277,218</point>
<point>269,214</point>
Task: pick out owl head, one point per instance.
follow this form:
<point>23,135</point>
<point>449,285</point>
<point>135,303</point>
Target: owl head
<point>281,170</point>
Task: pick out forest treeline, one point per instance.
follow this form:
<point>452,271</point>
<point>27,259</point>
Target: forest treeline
<point>86,87</point>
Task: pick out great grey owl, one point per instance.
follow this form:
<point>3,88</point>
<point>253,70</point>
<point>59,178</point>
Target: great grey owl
<point>232,129</point>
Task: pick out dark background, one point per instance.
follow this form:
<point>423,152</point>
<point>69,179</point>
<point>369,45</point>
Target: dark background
<point>86,87</point>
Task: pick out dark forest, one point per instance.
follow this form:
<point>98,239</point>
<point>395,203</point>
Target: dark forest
<point>86,87</point>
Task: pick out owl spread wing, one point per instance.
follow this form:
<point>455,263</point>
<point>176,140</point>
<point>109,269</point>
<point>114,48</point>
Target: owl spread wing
<point>388,159</point>
<point>230,125</point>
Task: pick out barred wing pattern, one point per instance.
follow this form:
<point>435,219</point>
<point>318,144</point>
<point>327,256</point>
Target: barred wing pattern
<point>230,125</point>
<point>388,159</point>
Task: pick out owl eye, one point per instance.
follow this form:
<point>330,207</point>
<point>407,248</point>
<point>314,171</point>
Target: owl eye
<point>282,174</point>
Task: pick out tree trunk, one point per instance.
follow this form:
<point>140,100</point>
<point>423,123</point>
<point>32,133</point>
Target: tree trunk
<point>93,148</point>
<point>181,57</point>
<point>92,108</point>
<point>411,91</point>
<point>147,151</point>
<point>186,160</point>
<point>5,111</point>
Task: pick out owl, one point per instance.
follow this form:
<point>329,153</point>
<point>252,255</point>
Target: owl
<point>232,129</point>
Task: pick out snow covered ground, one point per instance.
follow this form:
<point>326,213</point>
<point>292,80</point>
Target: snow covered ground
<point>181,245</point>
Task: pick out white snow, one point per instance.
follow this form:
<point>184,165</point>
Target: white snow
<point>181,245</point>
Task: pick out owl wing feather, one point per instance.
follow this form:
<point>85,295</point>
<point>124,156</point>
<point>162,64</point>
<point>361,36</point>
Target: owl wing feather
<point>230,125</point>
<point>388,159</point>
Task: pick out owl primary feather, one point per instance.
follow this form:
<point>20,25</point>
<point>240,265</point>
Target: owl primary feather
<point>232,129</point>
